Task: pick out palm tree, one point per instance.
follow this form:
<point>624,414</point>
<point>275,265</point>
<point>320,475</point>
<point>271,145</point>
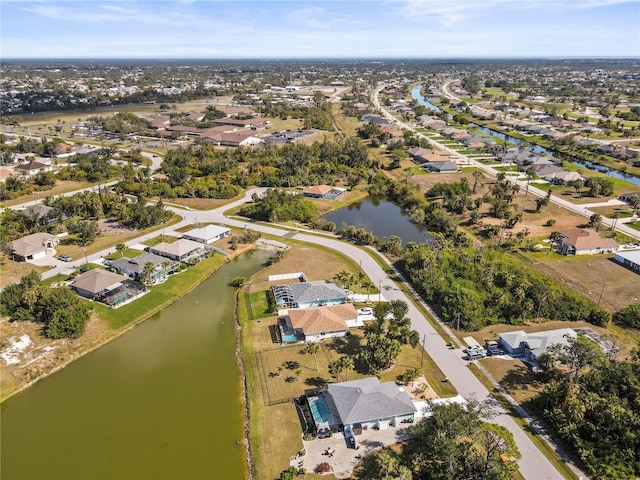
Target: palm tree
<point>120,247</point>
<point>554,237</point>
<point>347,364</point>
<point>312,349</point>
<point>359,278</point>
<point>298,372</point>
<point>531,174</point>
<point>368,284</point>
<point>147,271</point>
<point>476,176</point>
<point>335,368</point>
<point>342,276</point>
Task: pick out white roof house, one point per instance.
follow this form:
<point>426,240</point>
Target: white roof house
<point>208,234</point>
<point>182,250</point>
<point>532,345</point>
<point>630,259</point>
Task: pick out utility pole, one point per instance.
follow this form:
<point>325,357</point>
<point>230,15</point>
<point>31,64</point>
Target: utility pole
<point>379,290</point>
<point>601,292</point>
<point>424,340</point>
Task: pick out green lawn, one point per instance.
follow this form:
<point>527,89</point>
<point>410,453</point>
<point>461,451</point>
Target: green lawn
<point>160,295</point>
<point>160,239</point>
<point>127,252</point>
<point>634,225</point>
<point>258,304</point>
<point>56,278</point>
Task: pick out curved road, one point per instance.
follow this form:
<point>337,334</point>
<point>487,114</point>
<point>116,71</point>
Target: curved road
<point>533,465</point>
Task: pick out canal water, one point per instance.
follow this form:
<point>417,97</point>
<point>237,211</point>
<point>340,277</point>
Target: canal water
<point>163,401</point>
<point>380,216</point>
<point>610,172</point>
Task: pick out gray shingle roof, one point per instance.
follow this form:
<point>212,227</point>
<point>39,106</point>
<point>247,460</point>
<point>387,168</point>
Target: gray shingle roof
<point>367,399</point>
<point>318,290</point>
<point>137,264</point>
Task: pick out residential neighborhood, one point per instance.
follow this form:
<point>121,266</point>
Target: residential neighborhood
<point>486,233</point>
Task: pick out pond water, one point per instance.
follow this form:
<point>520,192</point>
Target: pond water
<point>379,215</point>
<point>163,401</point>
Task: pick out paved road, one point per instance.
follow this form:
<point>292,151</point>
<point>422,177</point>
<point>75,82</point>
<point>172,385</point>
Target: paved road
<point>578,209</point>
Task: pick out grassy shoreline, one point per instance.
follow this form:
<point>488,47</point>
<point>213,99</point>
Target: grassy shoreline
<point>121,320</point>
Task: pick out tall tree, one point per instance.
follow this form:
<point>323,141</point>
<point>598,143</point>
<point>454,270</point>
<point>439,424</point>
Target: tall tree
<point>312,349</point>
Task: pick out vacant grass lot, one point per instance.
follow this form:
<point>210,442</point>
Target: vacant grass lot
<point>592,275</point>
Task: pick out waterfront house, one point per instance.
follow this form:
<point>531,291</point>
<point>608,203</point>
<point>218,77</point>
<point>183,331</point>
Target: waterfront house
<point>134,267</point>
<point>323,191</point>
<point>308,294</point>
<point>182,250</point>
<point>106,287</point>
<point>207,234</point>
<point>359,405</point>
<point>316,324</point>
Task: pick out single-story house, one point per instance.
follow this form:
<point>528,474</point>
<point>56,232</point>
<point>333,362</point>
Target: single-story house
<point>316,324</point>
<point>360,405</point>
<point>532,345</point>
<point>629,259</point>
<point>207,234</point>
<point>544,170</point>
<point>182,250</point>
<point>106,287</point>
<point>585,241</point>
<point>232,139</point>
<point>323,191</point>
<point>626,197</point>
<point>374,119</point>
<point>308,294</point>
<point>254,123</point>
<point>33,246</point>
<point>563,176</point>
<point>32,168</point>
<point>441,167</point>
<point>134,267</point>
<point>45,215</point>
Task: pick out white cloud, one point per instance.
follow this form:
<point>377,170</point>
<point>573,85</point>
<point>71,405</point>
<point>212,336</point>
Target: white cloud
<point>450,12</point>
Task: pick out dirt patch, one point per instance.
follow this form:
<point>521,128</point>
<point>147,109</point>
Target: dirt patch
<point>27,355</point>
<point>108,227</point>
<point>420,389</point>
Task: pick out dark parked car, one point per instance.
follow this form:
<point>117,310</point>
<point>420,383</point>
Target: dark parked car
<point>494,351</point>
<point>64,258</point>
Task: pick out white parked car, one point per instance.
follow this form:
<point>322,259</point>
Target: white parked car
<point>365,311</point>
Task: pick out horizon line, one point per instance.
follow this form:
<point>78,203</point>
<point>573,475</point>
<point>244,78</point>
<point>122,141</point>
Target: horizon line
<point>524,57</point>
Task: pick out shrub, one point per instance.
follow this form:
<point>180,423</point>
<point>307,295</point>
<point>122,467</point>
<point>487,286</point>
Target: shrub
<point>323,467</point>
<point>629,316</point>
<point>550,223</point>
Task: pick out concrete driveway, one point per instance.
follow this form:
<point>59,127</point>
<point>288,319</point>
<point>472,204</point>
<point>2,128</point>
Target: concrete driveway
<point>344,459</point>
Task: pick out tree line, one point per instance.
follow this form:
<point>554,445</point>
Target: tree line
<point>62,313</point>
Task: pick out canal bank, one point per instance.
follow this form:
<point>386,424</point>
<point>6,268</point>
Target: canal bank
<point>163,401</point>
<point>541,148</point>
<point>50,356</point>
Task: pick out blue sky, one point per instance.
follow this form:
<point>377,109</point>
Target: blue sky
<point>322,28</point>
